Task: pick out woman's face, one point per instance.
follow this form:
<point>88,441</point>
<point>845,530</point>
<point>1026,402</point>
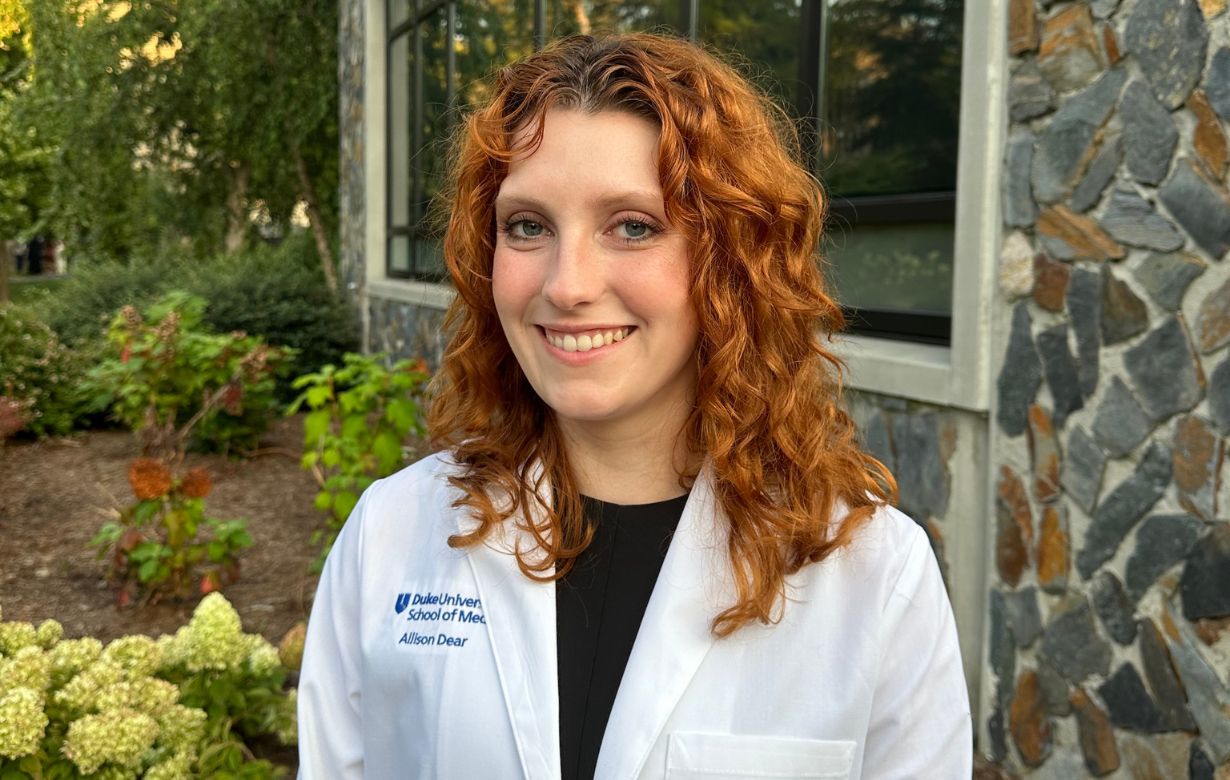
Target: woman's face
<point>590,281</point>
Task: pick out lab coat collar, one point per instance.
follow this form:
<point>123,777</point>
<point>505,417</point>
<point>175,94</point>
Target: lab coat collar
<point>695,583</point>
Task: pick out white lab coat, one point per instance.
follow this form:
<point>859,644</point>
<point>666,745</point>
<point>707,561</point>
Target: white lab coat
<point>427,662</point>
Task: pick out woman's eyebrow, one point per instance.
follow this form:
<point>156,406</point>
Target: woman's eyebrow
<point>642,198</point>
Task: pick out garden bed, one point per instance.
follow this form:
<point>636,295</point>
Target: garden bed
<point>55,494</point>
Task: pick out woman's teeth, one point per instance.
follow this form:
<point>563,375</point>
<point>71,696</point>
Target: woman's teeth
<point>584,342</point>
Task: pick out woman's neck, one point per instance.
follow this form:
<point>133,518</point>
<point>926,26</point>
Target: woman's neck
<point>628,464</point>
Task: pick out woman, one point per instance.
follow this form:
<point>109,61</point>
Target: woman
<point>651,547</point>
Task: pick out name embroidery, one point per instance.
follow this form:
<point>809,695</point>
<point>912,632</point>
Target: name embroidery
<point>457,609</point>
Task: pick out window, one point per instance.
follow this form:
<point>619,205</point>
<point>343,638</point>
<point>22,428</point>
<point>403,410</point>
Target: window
<point>875,85</point>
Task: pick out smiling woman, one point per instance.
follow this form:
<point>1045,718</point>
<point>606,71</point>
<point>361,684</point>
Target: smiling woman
<point>666,554</point>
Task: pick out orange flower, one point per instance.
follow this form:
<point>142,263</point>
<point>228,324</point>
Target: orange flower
<point>196,483</point>
<point>149,478</point>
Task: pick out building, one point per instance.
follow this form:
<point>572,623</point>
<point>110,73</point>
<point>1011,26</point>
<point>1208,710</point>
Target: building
<point>1033,229</point>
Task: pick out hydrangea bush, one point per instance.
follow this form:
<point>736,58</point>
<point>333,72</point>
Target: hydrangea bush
<point>162,543</point>
<point>179,706</point>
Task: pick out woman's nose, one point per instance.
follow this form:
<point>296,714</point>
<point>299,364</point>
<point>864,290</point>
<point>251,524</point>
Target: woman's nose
<point>576,276</point>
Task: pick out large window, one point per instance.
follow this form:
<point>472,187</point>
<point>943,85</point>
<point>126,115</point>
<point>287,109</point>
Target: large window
<point>874,85</point>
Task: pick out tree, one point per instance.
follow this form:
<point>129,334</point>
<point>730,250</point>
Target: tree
<point>174,121</point>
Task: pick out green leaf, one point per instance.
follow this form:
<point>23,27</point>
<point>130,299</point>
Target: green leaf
<point>387,448</point>
<point>343,503</point>
<point>324,500</point>
<point>315,426</point>
<point>148,570</point>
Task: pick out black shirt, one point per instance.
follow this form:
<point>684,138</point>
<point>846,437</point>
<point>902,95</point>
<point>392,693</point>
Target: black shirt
<point>598,606</point>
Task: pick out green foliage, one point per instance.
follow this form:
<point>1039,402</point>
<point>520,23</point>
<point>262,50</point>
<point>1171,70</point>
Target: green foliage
<point>156,548</point>
<point>39,377</point>
<point>277,293</point>
<point>80,306</point>
<point>171,122</point>
<point>358,420</point>
<point>168,379</point>
<point>179,706</point>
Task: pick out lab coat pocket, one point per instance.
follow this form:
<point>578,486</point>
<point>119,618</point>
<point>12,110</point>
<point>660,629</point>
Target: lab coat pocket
<point>696,756</point>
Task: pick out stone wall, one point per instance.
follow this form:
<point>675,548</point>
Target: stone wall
<point>352,214</point>
<point>1109,613</point>
<point>917,443</point>
<point>406,330</point>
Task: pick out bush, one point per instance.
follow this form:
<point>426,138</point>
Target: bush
<point>277,293</point>
<point>40,379</point>
<point>168,379</point>
<point>79,307</point>
<point>155,549</point>
<point>359,418</point>
<point>179,706</point>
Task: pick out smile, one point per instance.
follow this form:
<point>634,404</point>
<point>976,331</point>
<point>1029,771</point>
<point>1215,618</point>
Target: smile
<point>586,341</point>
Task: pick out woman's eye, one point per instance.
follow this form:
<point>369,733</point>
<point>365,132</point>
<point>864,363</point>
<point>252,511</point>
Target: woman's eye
<point>524,228</point>
<point>635,230</point>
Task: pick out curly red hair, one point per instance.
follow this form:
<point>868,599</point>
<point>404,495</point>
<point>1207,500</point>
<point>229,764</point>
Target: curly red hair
<point>767,414</point>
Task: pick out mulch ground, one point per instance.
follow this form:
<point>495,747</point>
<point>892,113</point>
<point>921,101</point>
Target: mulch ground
<point>54,496</point>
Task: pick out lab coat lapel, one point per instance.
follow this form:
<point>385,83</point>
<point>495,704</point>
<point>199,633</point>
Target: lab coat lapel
<point>521,627</point>
<point>693,586</point>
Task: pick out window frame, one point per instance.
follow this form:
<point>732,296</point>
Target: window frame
<point>947,371</point>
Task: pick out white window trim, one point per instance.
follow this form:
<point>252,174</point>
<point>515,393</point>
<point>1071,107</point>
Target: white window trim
<point>957,375</point>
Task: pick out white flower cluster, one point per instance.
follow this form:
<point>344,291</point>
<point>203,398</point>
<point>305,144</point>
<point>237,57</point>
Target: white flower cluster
<point>213,638</point>
<point>122,720</point>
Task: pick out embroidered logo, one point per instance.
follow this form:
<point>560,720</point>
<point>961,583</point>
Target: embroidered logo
<point>438,608</point>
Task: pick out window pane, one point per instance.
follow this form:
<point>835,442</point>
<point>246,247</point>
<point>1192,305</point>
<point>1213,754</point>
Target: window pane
<point>568,17</point>
<point>906,267</point>
<point>429,258</point>
<point>399,132</point>
<point>490,34</point>
<point>767,34</point>
<point>434,123</point>
<point>892,95</point>
<point>399,256</point>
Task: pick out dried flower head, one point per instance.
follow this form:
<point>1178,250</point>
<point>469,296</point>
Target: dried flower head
<point>132,317</point>
<point>196,483</point>
<point>232,399</point>
<point>149,478</point>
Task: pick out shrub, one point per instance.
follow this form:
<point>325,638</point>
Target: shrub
<point>168,379</point>
<point>179,706</point>
<point>79,307</point>
<point>279,294</point>
<point>359,418</point>
<point>40,379</point>
<point>155,548</point>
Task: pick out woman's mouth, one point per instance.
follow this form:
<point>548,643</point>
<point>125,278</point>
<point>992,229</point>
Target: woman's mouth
<point>588,340</point>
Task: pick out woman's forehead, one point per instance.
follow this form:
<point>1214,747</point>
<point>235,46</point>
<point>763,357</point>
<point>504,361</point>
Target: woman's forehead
<point>609,152</point>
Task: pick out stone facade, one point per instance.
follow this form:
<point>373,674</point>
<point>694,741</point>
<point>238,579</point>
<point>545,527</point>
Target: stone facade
<point>1108,649</point>
<point>406,330</point>
<point>351,202</point>
<point>917,443</point>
